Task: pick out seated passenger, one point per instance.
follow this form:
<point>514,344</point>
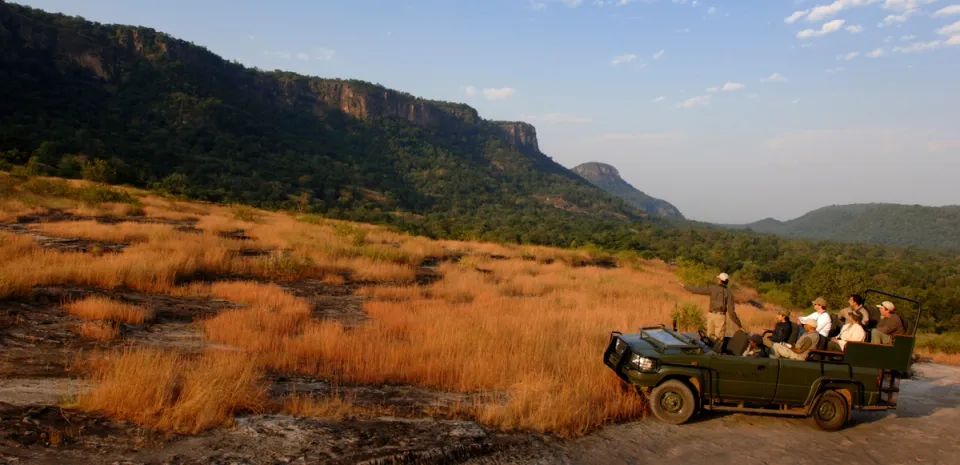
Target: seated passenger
<point>756,348</point>
<point>781,332</point>
<point>851,332</point>
<point>804,345</point>
<point>824,320</point>
<point>856,306</point>
<point>890,325</point>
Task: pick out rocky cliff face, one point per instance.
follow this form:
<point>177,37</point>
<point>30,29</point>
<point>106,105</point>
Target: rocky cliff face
<point>356,98</point>
<point>608,178</point>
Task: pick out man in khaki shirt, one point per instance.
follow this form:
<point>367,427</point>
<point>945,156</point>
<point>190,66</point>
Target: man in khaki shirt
<point>804,344</point>
<point>721,305</point>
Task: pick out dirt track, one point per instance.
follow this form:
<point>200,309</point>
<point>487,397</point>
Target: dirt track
<point>923,429</point>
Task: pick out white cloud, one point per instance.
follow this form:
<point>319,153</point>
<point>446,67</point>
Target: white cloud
<point>948,10</point>
<point>907,37</point>
<point>775,77</point>
<point>827,28</point>
<point>694,101</point>
<point>712,10</point>
<point>795,16</point>
<point>950,30</point>
<point>498,94</point>
<point>796,100</point>
<point>848,56</point>
<point>888,39</point>
<point>303,56</point>
<point>826,11</point>
<point>855,29</point>
<point>659,99</point>
<point>470,91</point>
<point>953,40</point>
<point>897,19</point>
<point>919,47</point>
<point>713,89</point>
<point>324,54</point>
<point>731,86</point>
<point>904,5</point>
<point>625,58</point>
<point>876,53</point>
<point>656,56</point>
<point>559,118</point>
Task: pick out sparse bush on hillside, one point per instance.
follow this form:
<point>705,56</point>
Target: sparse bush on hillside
<point>246,213</point>
<point>689,317</point>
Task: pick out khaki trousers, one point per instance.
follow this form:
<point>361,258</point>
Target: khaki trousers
<point>716,326</point>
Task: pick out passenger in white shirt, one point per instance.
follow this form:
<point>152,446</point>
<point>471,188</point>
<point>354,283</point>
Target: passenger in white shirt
<point>851,332</point>
<point>824,321</point>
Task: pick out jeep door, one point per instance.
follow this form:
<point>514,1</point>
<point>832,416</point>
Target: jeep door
<point>798,377</point>
<point>744,378</point>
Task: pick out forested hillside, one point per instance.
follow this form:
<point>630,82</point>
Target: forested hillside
<point>156,111</point>
<point>874,223</point>
<point>608,178</point>
<point>130,105</point>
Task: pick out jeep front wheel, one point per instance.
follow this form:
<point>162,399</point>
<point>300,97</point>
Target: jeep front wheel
<point>831,411</point>
<point>673,402</point>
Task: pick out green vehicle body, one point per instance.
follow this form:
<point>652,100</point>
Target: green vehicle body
<point>865,376</point>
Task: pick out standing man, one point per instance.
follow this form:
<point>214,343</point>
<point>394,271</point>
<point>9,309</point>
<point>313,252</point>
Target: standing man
<point>721,305</point>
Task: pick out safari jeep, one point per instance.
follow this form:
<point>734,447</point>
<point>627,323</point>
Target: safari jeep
<point>680,375</point>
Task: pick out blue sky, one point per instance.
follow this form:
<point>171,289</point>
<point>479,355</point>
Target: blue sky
<point>733,110</point>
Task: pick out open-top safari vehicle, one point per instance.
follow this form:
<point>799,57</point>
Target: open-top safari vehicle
<point>680,375</point>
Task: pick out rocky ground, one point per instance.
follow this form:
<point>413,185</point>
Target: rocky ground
<point>39,347</point>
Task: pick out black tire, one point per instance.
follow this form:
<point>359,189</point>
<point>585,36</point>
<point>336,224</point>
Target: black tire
<point>673,402</point>
<point>830,412</point>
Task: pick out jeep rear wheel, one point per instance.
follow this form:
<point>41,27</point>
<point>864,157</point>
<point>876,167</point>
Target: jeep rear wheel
<point>673,402</point>
<point>831,411</point>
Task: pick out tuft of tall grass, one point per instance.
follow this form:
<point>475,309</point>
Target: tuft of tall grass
<point>102,308</point>
<point>167,391</point>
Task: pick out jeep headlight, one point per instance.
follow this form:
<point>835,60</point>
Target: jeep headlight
<point>644,364</point>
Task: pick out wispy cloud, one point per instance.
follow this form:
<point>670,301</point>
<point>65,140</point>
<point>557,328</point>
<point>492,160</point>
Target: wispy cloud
<point>650,136</point>
<point>656,56</point>
<point>694,101</point>
<point>559,118</point>
<point>620,59</point>
<point>712,10</point>
<point>897,19</point>
<point>469,90</point>
<point>833,70</point>
<point>951,30</point>
<point>796,16</point>
<point>854,28</point>
<point>948,10</point>
<point>827,28</point>
<point>282,55</point>
<point>907,37</point>
<point>848,56</point>
<point>731,86</point>
<point>659,99</point>
<point>876,53</point>
<point>920,47</point>
<point>775,77</point>
<point>498,94</point>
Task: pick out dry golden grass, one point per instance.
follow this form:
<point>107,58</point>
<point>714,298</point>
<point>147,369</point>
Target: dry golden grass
<point>940,357</point>
<point>101,308</point>
<point>122,232</point>
<point>99,330</point>
<point>520,324</point>
<point>167,391</point>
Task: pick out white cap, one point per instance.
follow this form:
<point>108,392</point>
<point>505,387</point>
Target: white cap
<point>887,305</point>
<point>723,277</point>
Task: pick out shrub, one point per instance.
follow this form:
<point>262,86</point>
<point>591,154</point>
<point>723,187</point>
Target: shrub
<point>695,273</point>
<point>689,317</point>
<point>245,213</point>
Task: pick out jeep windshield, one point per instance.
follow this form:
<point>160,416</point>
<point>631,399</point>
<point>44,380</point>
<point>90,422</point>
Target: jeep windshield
<point>662,338</point>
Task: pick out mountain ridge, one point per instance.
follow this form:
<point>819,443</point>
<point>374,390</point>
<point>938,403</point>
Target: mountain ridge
<point>873,223</point>
<point>607,177</point>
